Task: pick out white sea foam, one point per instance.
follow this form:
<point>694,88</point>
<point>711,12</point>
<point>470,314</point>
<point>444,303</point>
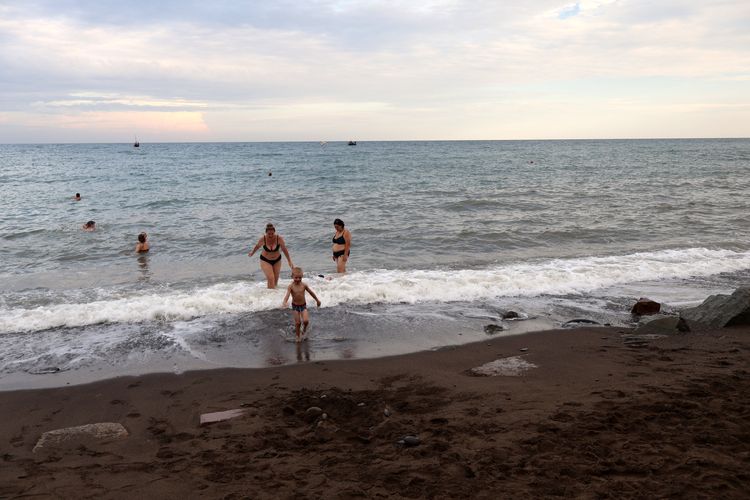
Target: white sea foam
<point>559,276</point>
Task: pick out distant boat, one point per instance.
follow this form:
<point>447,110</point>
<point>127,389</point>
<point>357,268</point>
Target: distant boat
<point>352,143</point>
<point>136,144</point>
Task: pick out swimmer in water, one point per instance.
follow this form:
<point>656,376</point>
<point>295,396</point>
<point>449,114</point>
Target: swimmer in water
<point>89,226</point>
<point>142,246</point>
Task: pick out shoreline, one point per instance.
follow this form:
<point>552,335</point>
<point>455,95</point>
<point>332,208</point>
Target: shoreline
<point>277,352</point>
<point>598,416</point>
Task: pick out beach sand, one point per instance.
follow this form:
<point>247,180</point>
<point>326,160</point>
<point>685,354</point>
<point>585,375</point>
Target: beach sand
<point>602,415</point>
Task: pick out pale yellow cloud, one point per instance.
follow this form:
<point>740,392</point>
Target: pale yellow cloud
<point>155,123</point>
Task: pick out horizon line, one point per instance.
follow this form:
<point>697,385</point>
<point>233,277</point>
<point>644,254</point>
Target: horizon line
<point>384,140</point>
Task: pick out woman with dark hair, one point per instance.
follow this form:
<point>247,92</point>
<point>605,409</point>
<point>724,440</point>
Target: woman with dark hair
<point>342,242</point>
<point>270,257</point>
<point>142,246</point>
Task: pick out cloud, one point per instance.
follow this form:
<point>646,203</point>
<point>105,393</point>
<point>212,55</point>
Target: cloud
<point>323,58</point>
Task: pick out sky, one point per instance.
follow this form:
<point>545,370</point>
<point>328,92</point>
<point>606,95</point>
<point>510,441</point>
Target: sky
<point>283,70</point>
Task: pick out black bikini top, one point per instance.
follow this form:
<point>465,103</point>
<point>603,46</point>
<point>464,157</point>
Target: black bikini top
<point>340,240</point>
<point>278,245</point>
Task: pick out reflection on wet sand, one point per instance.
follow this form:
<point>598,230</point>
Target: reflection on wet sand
<point>303,351</point>
<point>347,353</point>
<point>143,268</point>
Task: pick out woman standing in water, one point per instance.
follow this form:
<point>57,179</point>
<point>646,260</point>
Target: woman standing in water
<point>342,242</point>
<point>270,257</point>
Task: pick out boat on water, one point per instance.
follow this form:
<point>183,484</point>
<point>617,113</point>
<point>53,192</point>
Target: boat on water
<point>352,143</point>
<point>136,144</point>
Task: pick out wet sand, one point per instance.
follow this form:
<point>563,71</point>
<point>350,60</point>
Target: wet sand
<point>603,415</point>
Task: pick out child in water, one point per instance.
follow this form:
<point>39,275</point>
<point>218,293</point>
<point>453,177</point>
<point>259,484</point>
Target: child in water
<point>297,290</point>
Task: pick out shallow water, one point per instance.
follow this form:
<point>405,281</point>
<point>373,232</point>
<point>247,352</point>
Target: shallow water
<point>553,229</point>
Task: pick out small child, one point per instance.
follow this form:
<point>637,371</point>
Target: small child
<point>297,290</point>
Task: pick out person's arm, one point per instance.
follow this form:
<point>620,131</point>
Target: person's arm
<point>138,247</point>
<point>347,244</point>
<point>286,252</point>
<point>312,294</point>
<point>286,296</point>
<point>257,246</point>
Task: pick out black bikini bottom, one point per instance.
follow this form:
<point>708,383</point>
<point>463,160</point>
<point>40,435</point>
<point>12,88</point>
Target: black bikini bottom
<point>271,261</point>
<point>338,254</point>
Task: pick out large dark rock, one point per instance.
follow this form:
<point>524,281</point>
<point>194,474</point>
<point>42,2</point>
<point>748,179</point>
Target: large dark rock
<point>645,307</point>
<point>664,325</point>
<point>719,311</point>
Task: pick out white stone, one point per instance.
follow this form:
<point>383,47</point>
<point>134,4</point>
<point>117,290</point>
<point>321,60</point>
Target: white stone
<point>512,366</point>
<point>101,431</point>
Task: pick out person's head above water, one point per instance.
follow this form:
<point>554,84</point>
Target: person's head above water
<point>338,222</point>
<point>90,225</point>
<point>142,237</point>
<point>77,196</point>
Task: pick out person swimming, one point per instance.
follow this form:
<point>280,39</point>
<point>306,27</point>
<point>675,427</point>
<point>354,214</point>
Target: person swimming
<point>270,258</point>
<point>89,226</point>
<point>77,197</point>
<point>142,246</point>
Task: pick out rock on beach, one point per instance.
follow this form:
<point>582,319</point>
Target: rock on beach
<point>100,432</point>
<point>718,311</point>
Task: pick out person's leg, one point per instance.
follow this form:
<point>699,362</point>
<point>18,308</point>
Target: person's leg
<point>340,265</point>
<point>276,273</point>
<point>297,322</point>
<point>305,322</point>
<point>268,271</point>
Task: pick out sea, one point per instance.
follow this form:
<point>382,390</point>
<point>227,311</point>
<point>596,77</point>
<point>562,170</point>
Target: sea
<point>447,237</point>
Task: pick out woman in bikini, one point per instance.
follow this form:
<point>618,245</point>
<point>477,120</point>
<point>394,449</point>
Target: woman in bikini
<point>270,257</point>
<point>342,242</point>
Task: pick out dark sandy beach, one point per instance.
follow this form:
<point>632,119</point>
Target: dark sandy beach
<point>602,415</point>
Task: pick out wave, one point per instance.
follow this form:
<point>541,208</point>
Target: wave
<point>530,279</point>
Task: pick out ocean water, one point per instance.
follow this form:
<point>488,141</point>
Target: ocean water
<point>446,237</point>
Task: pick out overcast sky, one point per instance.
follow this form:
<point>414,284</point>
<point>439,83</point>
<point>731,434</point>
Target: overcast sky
<point>104,71</point>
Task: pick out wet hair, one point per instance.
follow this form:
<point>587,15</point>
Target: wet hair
<point>338,222</point>
<point>90,223</point>
<point>78,195</point>
<point>142,237</point>
<point>270,226</point>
